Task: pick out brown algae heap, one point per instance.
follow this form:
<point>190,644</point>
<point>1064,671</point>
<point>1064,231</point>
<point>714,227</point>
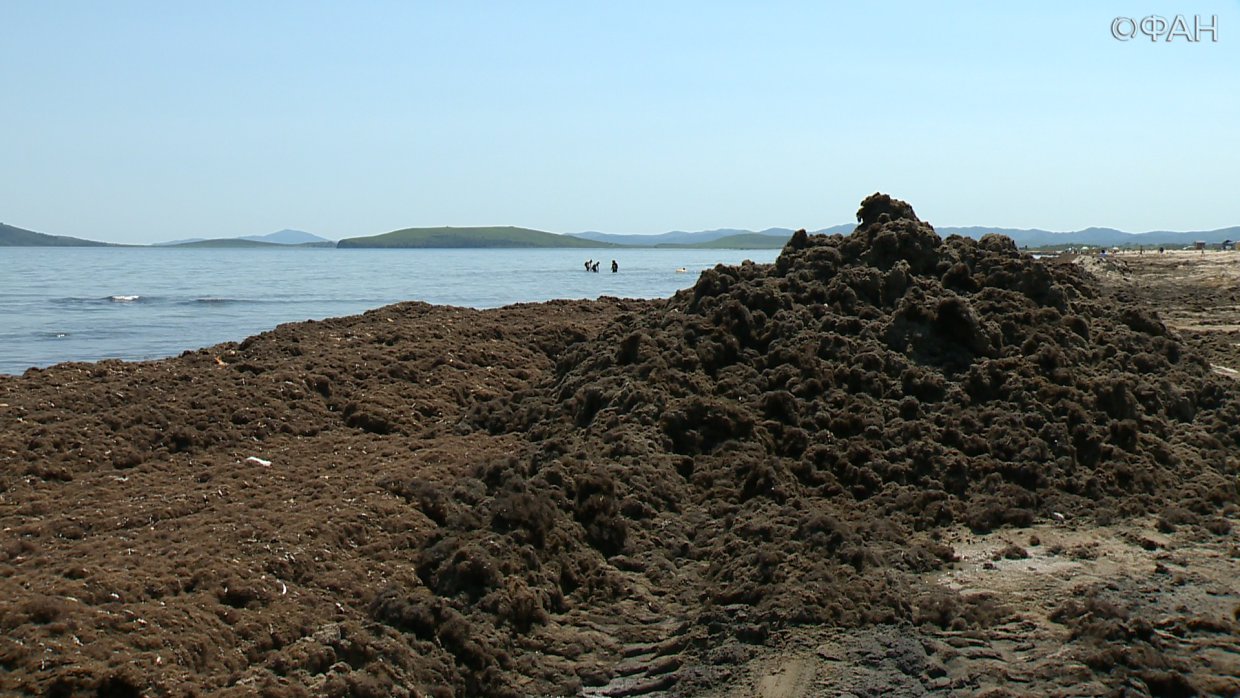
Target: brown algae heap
<point>622,497</point>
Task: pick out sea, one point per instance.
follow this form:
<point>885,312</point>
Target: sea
<point>140,303</point>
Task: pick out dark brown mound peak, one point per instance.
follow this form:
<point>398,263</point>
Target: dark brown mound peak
<point>876,205</point>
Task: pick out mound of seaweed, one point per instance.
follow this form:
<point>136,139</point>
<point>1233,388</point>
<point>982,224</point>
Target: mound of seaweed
<point>544,498</point>
<point>890,364</point>
<point>767,447</point>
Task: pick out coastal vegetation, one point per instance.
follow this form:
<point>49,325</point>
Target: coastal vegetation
<point>11,236</point>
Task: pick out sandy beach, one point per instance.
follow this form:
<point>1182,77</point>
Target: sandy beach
<point>886,464</point>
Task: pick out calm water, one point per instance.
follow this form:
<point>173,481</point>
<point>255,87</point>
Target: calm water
<point>86,304</point>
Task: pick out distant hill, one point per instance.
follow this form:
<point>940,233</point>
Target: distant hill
<point>286,237</point>
<point>722,238</point>
<point>1098,237</point>
<point>739,239</point>
<point>842,229</point>
<point>505,236</point>
<point>676,237</point>
<point>743,241</point>
<point>18,237</point>
<point>282,237</point>
<point>245,243</point>
<point>220,242</point>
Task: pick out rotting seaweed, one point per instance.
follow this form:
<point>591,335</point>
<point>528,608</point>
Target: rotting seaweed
<point>467,509</point>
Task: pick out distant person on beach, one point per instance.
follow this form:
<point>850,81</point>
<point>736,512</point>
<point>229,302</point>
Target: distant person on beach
<point>614,267</point>
<point>588,264</point>
<point>594,268</point>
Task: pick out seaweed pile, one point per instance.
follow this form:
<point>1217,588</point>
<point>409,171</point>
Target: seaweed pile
<point>780,438</point>
<point>780,445</point>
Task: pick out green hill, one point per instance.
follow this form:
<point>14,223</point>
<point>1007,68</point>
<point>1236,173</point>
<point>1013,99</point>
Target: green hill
<point>17,237</point>
<point>744,241</point>
<point>505,236</point>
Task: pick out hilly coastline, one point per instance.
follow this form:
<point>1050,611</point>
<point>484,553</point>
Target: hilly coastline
<point>247,243</point>
<point>282,238</point>
<point>1100,237</point>
<point>721,238</point>
<point>448,236</point>
<point>11,236</point>
<point>742,241</point>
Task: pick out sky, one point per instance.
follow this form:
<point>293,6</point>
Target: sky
<point>139,122</point>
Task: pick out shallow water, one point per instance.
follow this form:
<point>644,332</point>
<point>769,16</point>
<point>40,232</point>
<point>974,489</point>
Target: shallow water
<point>86,304</point>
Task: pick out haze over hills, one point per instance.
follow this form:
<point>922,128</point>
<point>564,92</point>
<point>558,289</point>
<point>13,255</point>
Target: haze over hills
<point>286,237</point>
<point>680,237</point>
<point>491,236</point>
<point>280,237</point>
<point>739,241</point>
<point>1100,237</point>
<point>247,243</point>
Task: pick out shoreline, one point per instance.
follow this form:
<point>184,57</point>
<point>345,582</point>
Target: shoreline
<point>62,307</point>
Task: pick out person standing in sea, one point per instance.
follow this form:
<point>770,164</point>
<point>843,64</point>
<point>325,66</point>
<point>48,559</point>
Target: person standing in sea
<point>614,267</point>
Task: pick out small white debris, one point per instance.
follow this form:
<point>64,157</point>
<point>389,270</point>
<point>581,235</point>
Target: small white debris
<point>1057,516</point>
<point>260,461</point>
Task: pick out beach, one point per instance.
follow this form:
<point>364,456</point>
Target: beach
<point>886,463</point>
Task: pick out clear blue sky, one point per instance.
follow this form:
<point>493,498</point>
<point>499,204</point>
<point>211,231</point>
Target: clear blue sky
<point>149,121</point>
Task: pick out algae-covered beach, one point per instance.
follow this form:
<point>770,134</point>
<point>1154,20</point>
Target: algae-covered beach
<point>887,463</point>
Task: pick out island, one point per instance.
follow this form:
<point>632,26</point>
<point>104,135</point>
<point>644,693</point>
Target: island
<point>448,236</point>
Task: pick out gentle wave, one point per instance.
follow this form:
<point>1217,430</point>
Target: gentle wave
<point>117,299</point>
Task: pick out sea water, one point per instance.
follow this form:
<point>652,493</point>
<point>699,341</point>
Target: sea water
<point>137,303</point>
